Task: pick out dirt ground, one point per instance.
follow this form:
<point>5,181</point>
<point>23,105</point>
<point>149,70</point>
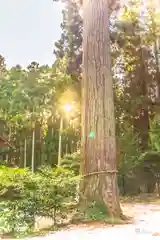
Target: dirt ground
<point>143,209</point>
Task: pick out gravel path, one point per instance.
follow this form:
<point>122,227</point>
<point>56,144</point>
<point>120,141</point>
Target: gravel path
<point>145,226</point>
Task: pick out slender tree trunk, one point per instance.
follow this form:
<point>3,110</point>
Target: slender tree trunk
<point>33,149</point>
<point>8,149</point>
<point>41,145</point>
<point>21,150</point>
<point>60,142</point>
<point>25,153</point>
<point>99,149</point>
<point>66,149</point>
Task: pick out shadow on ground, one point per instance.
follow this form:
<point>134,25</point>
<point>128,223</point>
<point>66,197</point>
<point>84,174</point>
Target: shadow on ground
<point>142,198</point>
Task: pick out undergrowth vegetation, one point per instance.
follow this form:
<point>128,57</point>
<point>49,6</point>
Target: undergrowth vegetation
<point>24,196</point>
<point>49,192</point>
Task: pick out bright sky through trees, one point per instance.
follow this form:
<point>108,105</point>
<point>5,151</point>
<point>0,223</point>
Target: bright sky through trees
<point>28,30</point>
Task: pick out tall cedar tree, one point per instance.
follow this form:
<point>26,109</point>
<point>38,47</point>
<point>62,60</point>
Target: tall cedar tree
<point>99,150</point>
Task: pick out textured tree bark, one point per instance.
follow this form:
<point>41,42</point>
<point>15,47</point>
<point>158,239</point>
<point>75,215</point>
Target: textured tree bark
<point>99,152</point>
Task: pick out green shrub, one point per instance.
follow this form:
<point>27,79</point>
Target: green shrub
<point>71,162</point>
<point>17,202</point>
<point>155,134</point>
<point>57,188</point>
<point>24,195</point>
<point>16,183</point>
<point>96,211</point>
<point>129,161</point>
<point>17,216</point>
<point>3,162</point>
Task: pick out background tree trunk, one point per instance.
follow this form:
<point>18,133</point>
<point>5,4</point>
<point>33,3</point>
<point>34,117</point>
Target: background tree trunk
<point>25,153</point>
<point>99,151</point>
<point>33,151</point>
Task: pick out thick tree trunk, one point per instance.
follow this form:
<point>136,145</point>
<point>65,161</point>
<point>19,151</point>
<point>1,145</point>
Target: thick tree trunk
<point>99,149</point>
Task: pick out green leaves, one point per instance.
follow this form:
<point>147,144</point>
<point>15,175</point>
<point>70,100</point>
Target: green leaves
<point>24,195</point>
<point>129,151</point>
<point>29,98</point>
<point>155,134</point>
<point>71,162</point>
<point>30,91</point>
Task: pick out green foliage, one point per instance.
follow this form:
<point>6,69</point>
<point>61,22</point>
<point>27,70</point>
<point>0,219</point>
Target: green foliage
<point>150,156</point>
<point>30,102</point>
<point>71,162</point>
<point>17,217</point>
<point>129,152</point>
<point>96,211</point>
<point>71,41</point>
<point>155,134</point>
<point>24,195</point>
<point>57,188</point>
<point>17,203</point>
<point>15,183</point>
<point>3,162</point>
<point>129,160</point>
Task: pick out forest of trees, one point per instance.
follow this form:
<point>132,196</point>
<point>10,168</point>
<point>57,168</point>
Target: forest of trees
<point>40,107</point>
<point>32,102</point>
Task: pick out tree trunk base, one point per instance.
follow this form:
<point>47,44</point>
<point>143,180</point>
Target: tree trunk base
<point>102,190</point>
<point>92,212</point>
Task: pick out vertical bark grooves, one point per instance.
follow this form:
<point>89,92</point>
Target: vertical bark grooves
<point>99,152</point>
